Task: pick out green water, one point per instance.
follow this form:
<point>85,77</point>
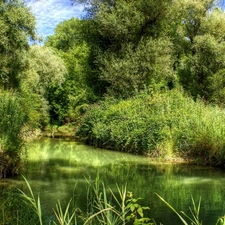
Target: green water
<point>54,166</point>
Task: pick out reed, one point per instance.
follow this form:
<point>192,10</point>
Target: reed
<point>105,207</point>
<point>64,217</point>
<point>32,201</point>
<point>164,124</point>
<point>195,211</point>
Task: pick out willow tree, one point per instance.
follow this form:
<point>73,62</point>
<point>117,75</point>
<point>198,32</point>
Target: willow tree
<point>17,26</point>
<point>45,72</point>
<point>197,31</point>
<point>136,56</point>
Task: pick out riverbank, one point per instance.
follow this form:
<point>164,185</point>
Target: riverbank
<point>162,125</point>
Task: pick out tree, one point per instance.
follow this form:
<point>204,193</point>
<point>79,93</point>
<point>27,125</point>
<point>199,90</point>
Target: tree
<point>45,72</point>
<point>194,27</point>
<point>137,55</point>
<point>77,41</point>
<point>200,41</point>
<point>148,65</point>
<point>17,25</point>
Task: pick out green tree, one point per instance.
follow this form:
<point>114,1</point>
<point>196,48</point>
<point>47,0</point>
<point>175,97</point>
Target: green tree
<point>74,92</point>
<point>197,30</point>
<point>149,65</point>
<point>77,42</point>
<point>44,73</point>
<point>17,25</point>
<point>194,27</point>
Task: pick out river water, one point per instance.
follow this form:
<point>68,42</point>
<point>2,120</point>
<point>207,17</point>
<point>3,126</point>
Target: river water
<point>57,169</point>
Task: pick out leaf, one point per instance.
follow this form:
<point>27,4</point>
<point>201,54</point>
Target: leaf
<point>132,208</point>
<point>140,212</point>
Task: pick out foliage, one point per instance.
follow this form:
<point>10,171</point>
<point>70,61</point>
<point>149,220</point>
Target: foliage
<point>195,213</point>
<point>129,46</point>
<point>17,24</point>
<point>81,85</point>
<point>117,207</point>
<point>74,92</point>
<point>158,125</point>
<point>137,214</point>
<point>11,121</point>
<point>197,32</point>
<point>30,200</point>
<point>64,218</point>
<point>132,45</point>
<point>46,69</point>
<point>105,206</point>
<point>149,64</point>
<point>14,210</point>
<point>221,221</point>
<point>44,73</point>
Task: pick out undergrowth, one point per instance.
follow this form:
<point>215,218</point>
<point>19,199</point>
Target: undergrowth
<point>164,124</point>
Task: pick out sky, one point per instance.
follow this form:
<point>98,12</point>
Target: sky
<point>49,13</point>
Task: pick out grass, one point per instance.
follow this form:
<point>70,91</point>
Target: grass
<point>105,207</point>
<point>195,211</point>
<point>30,200</point>
<point>164,124</point>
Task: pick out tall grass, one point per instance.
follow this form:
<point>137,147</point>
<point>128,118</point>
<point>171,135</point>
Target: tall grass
<point>30,200</point>
<point>194,218</point>
<point>195,211</point>
<point>114,207</point>
<point>105,207</point>
<point>12,119</point>
<point>164,124</point>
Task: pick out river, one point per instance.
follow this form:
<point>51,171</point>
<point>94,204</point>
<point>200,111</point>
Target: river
<point>55,166</point>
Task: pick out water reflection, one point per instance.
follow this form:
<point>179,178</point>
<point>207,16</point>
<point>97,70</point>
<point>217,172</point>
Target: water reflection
<point>55,167</point>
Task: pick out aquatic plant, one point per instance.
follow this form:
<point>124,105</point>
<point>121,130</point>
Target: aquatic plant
<point>12,119</point>
<point>104,207</point>
<point>64,217</point>
<point>194,219</point>
<point>30,200</point>
<point>164,124</point>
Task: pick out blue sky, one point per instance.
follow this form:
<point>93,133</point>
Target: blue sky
<point>49,13</point>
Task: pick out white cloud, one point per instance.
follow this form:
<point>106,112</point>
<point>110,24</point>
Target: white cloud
<point>49,13</point>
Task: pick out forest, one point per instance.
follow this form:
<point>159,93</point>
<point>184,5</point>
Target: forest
<point>144,77</point>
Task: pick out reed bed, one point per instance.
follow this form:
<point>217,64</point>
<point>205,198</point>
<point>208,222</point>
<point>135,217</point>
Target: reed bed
<point>164,124</point>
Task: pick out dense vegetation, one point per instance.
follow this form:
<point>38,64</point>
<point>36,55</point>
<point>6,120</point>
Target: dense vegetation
<point>164,124</point>
<point>137,76</point>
